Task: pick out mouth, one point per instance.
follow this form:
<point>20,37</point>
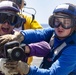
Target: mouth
<point>60,31</point>
<point>5,29</point>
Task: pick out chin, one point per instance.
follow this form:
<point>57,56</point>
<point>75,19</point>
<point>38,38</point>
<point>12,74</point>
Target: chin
<point>3,69</point>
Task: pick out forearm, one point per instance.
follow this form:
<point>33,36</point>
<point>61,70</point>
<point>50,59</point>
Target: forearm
<point>32,36</point>
<point>40,49</point>
<point>63,66</point>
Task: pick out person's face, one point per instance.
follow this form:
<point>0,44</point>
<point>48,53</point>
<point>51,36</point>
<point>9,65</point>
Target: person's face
<point>22,5</point>
<point>6,28</point>
<point>8,20</point>
<point>61,32</point>
<point>63,25</point>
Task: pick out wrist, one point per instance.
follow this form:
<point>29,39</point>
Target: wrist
<point>27,49</point>
<point>26,68</point>
<point>19,37</point>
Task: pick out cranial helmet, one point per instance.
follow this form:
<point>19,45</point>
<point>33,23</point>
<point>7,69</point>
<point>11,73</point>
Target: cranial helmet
<point>65,8</point>
<point>20,3</point>
<point>8,5</point>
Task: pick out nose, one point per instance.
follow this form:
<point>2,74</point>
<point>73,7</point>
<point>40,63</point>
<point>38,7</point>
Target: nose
<point>6,22</point>
<point>60,24</point>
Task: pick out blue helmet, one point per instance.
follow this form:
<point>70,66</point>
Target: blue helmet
<point>9,5</point>
<point>66,8</point>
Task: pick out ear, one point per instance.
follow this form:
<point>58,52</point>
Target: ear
<point>22,4</point>
<point>51,21</point>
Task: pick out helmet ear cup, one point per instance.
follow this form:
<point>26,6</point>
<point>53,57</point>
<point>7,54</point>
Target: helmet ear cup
<point>75,24</point>
<point>51,21</point>
<point>20,23</point>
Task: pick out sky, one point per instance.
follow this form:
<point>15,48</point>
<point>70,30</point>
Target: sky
<point>44,8</point>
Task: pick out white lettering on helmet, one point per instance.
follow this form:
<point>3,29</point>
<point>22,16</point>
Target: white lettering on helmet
<point>62,6</point>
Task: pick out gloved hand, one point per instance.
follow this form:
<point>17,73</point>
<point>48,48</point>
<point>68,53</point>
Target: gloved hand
<point>3,69</point>
<point>17,36</point>
<point>17,66</point>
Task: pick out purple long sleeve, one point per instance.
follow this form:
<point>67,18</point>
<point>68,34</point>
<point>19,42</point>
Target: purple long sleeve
<point>40,49</point>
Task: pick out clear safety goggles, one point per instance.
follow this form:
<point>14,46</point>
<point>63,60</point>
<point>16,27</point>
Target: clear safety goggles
<point>11,18</point>
<point>65,21</point>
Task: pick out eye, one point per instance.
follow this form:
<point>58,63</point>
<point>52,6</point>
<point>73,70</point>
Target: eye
<point>57,21</point>
<point>67,22</point>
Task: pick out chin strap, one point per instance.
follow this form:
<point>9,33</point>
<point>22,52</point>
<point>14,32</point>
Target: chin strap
<point>33,17</point>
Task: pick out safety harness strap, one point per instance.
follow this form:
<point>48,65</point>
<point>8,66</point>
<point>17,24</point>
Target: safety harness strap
<point>58,50</point>
<point>55,53</point>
